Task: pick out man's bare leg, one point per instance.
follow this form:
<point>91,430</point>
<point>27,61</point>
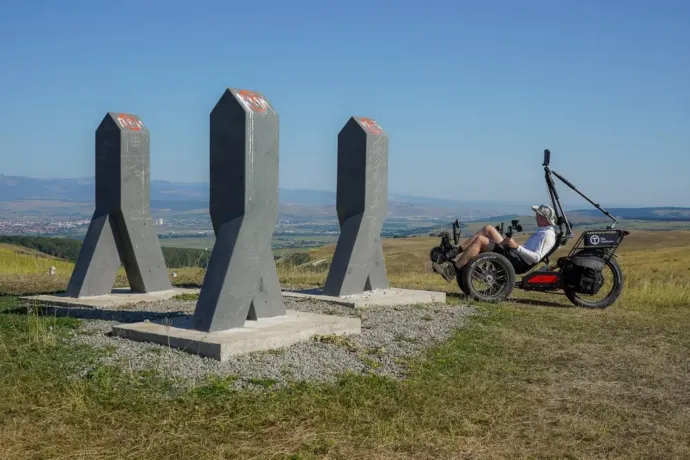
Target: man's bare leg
<point>488,231</point>
<point>480,243</point>
<point>491,233</point>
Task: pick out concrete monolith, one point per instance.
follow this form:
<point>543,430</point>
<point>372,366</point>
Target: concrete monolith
<point>241,281</point>
<point>362,197</point>
<point>122,230</point>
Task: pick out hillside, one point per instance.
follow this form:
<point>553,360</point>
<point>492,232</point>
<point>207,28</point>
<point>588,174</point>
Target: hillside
<point>405,257</point>
<point>652,213</point>
<point>20,260</point>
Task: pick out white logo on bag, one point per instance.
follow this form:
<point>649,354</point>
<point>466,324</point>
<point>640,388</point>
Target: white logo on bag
<point>594,239</point>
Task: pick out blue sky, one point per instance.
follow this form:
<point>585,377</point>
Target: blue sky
<point>470,93</point>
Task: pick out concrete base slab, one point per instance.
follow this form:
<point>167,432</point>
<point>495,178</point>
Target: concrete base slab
<point>259,335</point>
<point>377,297</point>
<point>117,298</point>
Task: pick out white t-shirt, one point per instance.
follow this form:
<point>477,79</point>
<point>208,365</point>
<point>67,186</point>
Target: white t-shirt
<point>537,245</point>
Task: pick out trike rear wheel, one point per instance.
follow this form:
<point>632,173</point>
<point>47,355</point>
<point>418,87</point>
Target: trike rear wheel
<point>612,289</point>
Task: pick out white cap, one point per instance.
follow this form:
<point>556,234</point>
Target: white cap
<point>546,211</point>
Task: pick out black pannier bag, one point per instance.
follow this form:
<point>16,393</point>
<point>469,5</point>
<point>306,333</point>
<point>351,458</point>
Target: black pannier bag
<point>583,274</point>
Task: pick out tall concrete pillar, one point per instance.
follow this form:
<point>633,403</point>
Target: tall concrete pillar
<point>122,229</point>
<point>241,281</point>
<point>362,197</point>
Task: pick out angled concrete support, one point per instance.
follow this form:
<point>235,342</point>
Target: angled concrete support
<point>122,229</point>
<point>241,281</point>
<point>362,196</point>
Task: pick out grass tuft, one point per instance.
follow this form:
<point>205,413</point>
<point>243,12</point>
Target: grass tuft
<point>338,340</point>
<point>186,296</point>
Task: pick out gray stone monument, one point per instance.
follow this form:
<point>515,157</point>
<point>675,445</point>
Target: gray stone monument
<point>362,197</point>
<point>240,307</point>
<point>241,281</point>
<point>122,231</point>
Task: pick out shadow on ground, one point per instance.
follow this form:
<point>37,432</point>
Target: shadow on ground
<point>541,303</point>
<point>460,298</point>
<point>121,316</point>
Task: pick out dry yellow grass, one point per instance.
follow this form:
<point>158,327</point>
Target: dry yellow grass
<point>26,271</point>
<point>16,260</point>
<point>657,259</point>
<point>531,378</point>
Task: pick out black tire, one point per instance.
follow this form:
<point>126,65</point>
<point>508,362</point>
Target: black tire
<point>607,301</point>
<point>460,279</point>
<point>436,255</point>
<point>493,269</point>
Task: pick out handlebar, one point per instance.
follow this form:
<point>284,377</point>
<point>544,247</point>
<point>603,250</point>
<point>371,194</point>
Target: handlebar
<point>547,157</point>
<point>515,226</point>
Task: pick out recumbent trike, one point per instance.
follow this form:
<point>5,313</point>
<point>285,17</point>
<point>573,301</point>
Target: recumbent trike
<point>490,276</point>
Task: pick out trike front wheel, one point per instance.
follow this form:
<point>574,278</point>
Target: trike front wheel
<point>487,277</point>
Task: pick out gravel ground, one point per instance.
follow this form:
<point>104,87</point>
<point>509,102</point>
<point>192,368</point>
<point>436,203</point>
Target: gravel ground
<point>390,335</point>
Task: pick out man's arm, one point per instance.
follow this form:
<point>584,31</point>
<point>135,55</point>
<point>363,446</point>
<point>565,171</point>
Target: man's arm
<point>546,242</point>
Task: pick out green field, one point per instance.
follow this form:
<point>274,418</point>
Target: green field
<point>191,243</point>
<point>278,249</point>
<point>532,378</point>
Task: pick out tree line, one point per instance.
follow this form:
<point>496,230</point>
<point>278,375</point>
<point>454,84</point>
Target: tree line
<point>68,249</point>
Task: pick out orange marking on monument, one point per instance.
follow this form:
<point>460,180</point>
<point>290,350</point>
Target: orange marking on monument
<point>253,101</point>
<point>129,122</point>
<point>371,125</point>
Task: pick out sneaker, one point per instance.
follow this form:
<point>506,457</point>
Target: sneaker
<point>446,270</point>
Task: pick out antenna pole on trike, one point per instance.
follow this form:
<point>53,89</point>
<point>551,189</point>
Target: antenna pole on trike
<point>596,205</point>
<point>553,194</point>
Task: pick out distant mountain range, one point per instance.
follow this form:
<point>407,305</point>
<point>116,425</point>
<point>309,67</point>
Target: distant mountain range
<point>27,195</point>
<point>667,213</point>
<point>177,197</point>
<point>82,189</point>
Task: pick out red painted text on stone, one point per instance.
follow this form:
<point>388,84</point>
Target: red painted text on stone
<point>129,122</point>
<point>371,125</point>
<point>253,101</point>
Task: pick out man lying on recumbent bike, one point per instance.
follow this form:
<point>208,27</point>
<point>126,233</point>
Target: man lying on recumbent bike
<point>488,239</point>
